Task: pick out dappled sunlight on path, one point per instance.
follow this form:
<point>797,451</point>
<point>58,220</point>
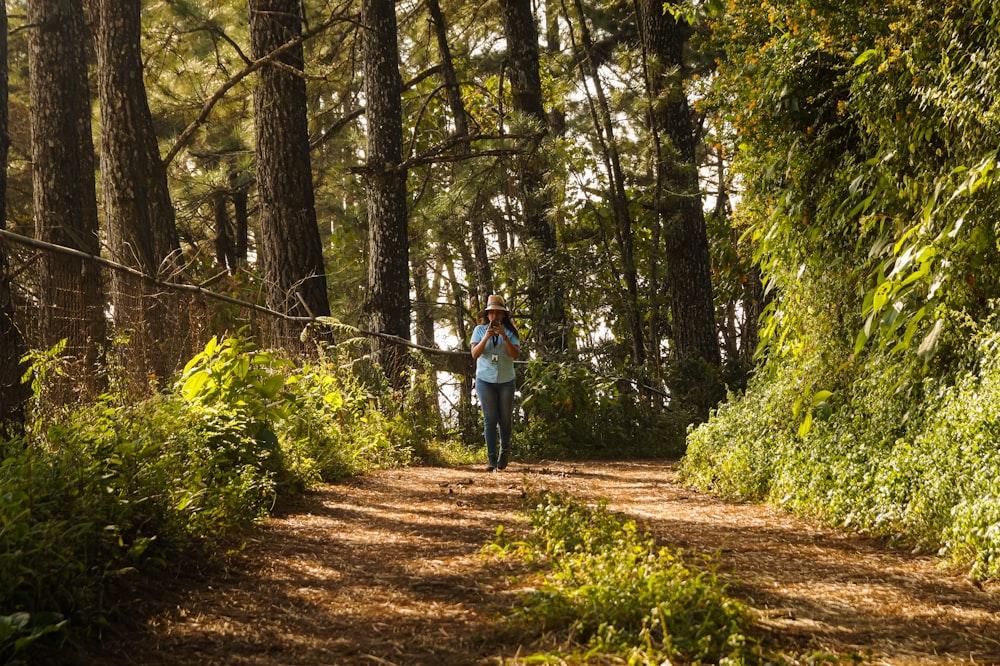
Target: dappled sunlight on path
<point>387,570</point>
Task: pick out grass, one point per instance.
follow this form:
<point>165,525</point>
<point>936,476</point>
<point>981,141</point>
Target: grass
<point>607,593</point>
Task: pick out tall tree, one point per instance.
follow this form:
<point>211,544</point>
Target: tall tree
<point>12,392</point>
<point>453,92</point>
<point>141,229</point>
<point>610,157</point>
<point>70,301</point>
<point>677,198</point>
<point>546,294</point>
<point>289,244</point>
<point>385,183</point>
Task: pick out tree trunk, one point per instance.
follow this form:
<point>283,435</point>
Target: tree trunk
<point>468,419</point>
<point>483,274</point>
<point>13,394</point>
<point>423,307</point>
<point>141,228</point>
<point>289,242</point>
<point>70,300</point>
<point>753,307</point>
<point>552,26</point>
<point>241,219</point>
<point>388,304</point>
<point>452,89</point>
<point>425,390</point>
<point>695,385</point>
<point>225,250</point>
<point>134,179</point>
<point>546,295</point>
<point>604,128</point>
<point>678,195</point>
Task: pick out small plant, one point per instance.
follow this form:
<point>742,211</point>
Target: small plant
<point>609,590</point>
<point>19,631</point>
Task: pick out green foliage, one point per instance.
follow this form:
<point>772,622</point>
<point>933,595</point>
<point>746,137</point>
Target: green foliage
<point>340,429</point>
<point>865,142</point>
<point>611,591</point>
<point>892,453</point>
<point>733,454</point>
<point>571,412</point>
<point>867,147</point>
<point>105,492</point>
<point>19,630</point>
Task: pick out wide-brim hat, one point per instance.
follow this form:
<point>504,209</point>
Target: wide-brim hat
<point>494,303</point>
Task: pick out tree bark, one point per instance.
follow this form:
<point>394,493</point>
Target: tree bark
<point>388,303</point>
<point>225,250</point>
<point>423,306</point>
<point>13,394</point>
<point>546,294</point>
<point>136,198</point>
<point>452,88</point>
<point>71,299</point>
<point>678,194</point>
<point>141,228</point>
<point>604,129</point>
<point>289,242</point>
<point>694,379</point>
<point>241,218</point>
<point>483,274</point>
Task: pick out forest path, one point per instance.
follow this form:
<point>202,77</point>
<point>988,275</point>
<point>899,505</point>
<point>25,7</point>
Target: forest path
<point>386,570</point>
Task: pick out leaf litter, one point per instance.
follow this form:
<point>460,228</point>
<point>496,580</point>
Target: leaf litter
<point>387,570</point>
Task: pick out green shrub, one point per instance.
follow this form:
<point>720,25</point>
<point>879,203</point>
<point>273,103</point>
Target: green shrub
<point>892,451</point>
<point>339,428</point>
<point>100,493</point>
<point>732,454</point>
<point>611,591</point>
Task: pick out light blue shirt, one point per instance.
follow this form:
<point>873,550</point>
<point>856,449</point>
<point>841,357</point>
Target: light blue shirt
<point>496,365</point>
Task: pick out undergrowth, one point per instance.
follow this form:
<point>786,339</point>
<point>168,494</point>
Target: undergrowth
<point>93,497</point>
<point>895,448</point>
<point>609,594</point>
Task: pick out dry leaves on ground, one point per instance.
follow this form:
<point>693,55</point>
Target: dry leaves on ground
<point>387,570</point>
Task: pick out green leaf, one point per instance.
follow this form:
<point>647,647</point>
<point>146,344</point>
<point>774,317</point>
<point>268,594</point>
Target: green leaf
<point>194,385</point>
<point>911,329</point>
<point>928,346</point>
<point>865,57</point>
<point>806,424</point>
<point>272,386</point>
<point>860,340</point>
<point>820,397</point>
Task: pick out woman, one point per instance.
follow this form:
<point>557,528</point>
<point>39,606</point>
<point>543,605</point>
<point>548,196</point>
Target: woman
<point>495,346</point>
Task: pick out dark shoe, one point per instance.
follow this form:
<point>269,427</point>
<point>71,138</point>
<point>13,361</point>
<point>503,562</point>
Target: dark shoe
<point>491,468</point>
<point>502,464</point>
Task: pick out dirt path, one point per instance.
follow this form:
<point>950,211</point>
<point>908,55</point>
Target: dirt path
<point>386,570</point>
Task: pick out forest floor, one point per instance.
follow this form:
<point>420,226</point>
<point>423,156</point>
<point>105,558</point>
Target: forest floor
<point>388,570</point>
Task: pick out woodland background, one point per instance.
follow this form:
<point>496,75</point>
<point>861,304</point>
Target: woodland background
<point>241,239</point>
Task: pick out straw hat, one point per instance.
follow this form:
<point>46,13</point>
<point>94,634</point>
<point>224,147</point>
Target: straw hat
<point>494,304</point>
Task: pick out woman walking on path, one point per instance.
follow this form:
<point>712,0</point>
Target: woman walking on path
<point>495,346</point>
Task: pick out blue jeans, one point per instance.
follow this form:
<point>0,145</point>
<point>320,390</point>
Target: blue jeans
<point>497,401</point>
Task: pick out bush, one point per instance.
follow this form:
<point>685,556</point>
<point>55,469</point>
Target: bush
<point>101,493</point>
<point>611,591</point>
<point>891,451</point>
